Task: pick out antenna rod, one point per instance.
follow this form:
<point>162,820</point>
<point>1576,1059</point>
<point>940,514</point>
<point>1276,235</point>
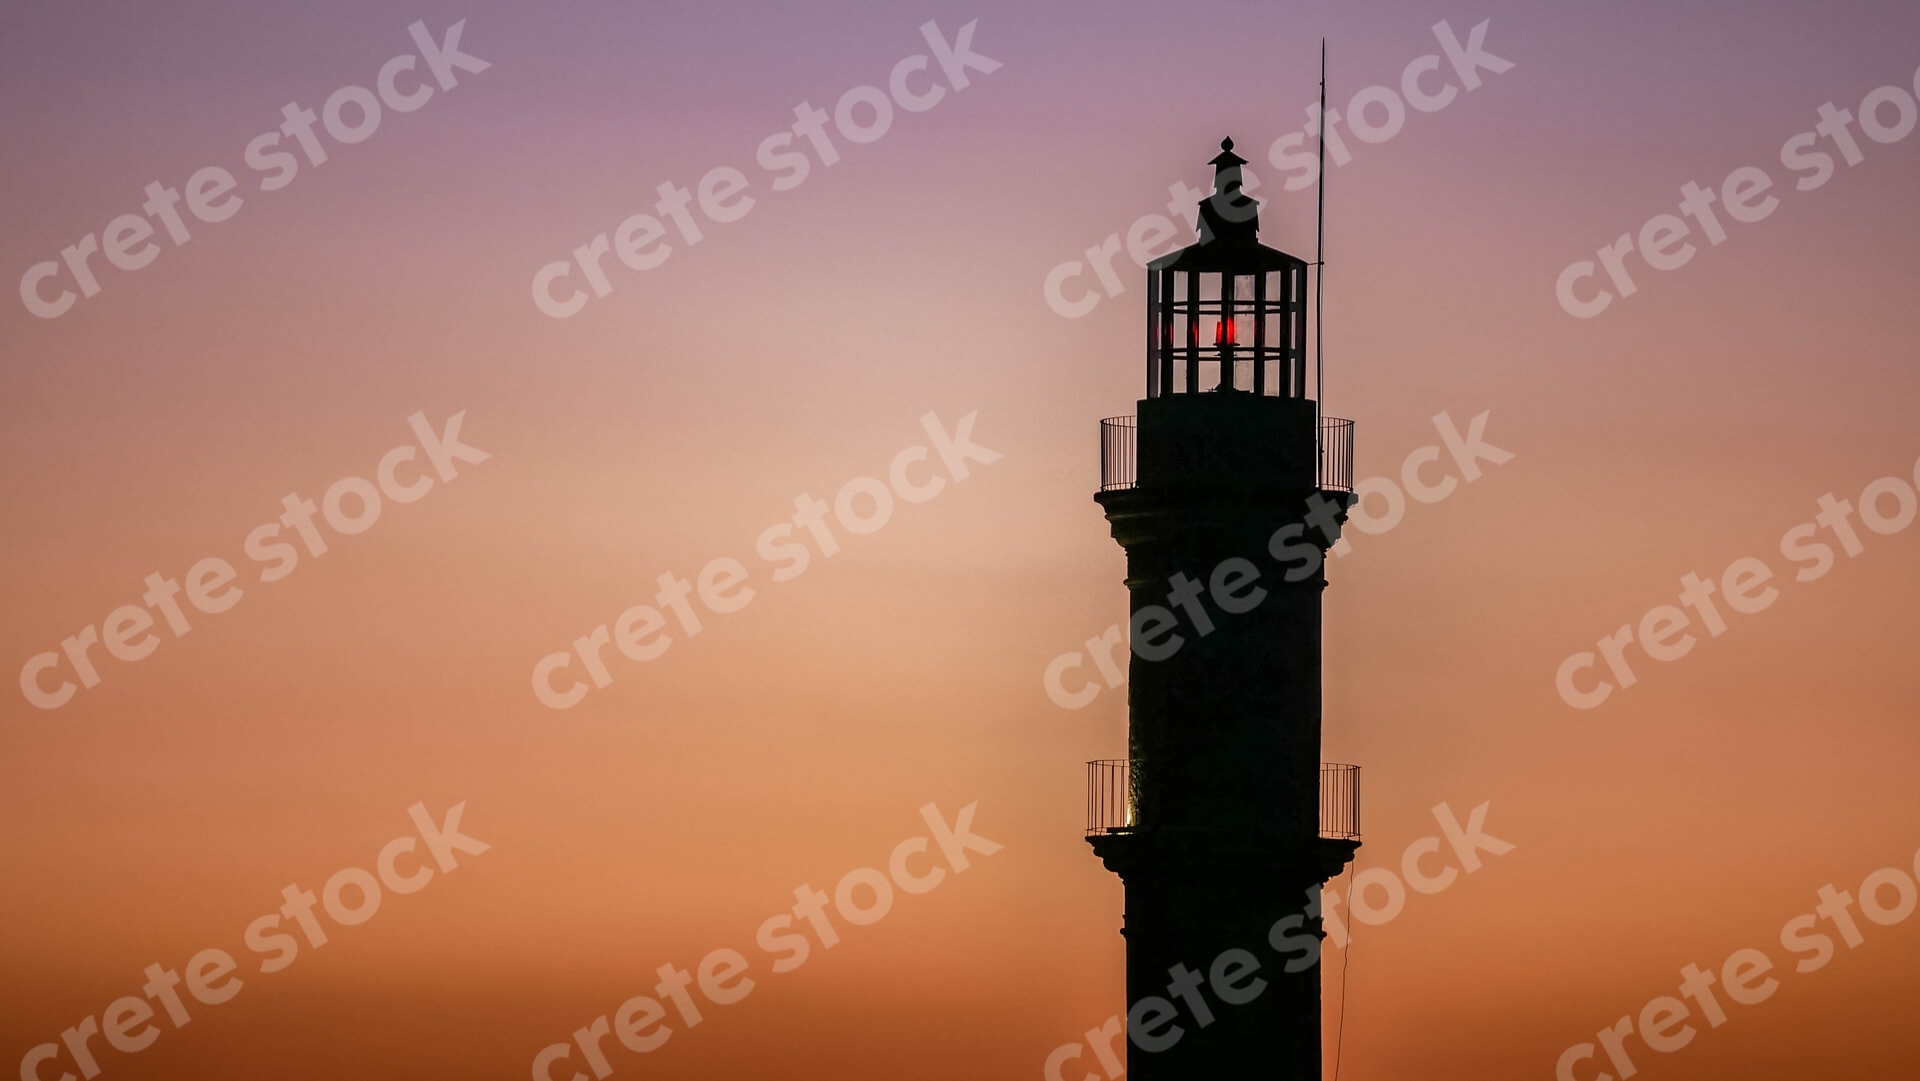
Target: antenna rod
<point>1320,253</point>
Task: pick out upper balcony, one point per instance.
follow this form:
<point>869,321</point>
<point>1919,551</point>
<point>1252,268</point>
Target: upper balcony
<point>1119,454</point>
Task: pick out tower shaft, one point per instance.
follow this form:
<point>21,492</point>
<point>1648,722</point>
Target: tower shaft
<point>1224,838</point>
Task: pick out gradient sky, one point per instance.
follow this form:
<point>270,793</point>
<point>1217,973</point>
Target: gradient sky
<point>669,422</point>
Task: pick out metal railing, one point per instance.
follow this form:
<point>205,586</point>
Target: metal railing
<point>1110,802</point>
<point>1113,804</point>
<point>1119,454</point>
<point>1336,455</point>
<point>1339,801</point>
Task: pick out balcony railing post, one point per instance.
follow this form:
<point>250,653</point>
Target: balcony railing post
<point>1118,453</point>
<point>1336,455</point>
<point>1109,795</point>
<point>1339,801</point>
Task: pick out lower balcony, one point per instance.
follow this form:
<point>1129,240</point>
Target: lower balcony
<point>1112,800</point>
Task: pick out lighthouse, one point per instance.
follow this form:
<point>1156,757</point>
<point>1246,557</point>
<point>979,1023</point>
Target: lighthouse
<point>1226,490</point>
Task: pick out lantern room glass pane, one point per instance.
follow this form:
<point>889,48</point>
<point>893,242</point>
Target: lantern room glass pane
<point>1243,373</point>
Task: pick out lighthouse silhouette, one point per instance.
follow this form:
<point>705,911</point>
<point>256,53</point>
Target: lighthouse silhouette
<point>1226,491</point>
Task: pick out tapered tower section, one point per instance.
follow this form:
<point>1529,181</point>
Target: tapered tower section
<point>1225,492</point>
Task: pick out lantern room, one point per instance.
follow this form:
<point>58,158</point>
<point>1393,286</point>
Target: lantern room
<point>1227,315</point>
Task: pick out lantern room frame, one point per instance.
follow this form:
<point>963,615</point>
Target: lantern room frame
<point>1227,317</point>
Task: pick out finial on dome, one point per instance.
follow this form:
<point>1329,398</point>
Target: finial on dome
<point>1227,158</point>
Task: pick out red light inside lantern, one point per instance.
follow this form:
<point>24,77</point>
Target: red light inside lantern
<point>1223,332</point>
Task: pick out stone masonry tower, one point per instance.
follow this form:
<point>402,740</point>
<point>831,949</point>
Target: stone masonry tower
<point>1222,816</point>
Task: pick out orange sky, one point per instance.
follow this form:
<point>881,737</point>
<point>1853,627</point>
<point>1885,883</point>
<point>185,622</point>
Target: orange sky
<point>670,422</point>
